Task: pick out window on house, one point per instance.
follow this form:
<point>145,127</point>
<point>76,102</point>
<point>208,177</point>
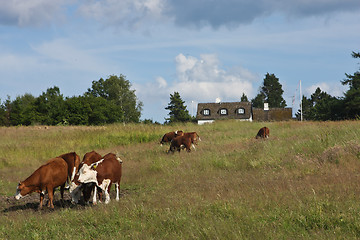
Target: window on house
<point>223,111</point>
<point>206,112</point>
<point>240,111</point>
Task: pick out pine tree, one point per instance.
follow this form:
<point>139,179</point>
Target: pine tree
<point>178,111</point>
<point>321,106</point>
<point>352,96</point>
<point>270,92</point>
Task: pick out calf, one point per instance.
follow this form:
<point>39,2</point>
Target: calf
<point>179,143</point>
<point>170,136</point>
<point>263,133</point>
<point>46,178</point>
<point>103,173</point>
<point>76,187</point>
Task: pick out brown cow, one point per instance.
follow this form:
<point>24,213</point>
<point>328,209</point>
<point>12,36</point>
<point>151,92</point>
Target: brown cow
<point>73,162</point>
<point>194,138</point>
<point>76,187</point>
<point>103,173</point>
<point>179,143</point>
<point>45,179</point>
<point>263,133</point>
<point>170,136</point>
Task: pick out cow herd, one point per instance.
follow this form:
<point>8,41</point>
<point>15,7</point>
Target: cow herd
<point>95,174</point>
<point>179,140</point>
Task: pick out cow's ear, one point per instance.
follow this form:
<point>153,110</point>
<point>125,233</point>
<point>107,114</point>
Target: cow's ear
<point>93,167</point>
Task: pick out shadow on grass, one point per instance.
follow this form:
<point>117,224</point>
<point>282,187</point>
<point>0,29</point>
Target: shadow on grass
<point>34,206</point>
<point>31,203</point>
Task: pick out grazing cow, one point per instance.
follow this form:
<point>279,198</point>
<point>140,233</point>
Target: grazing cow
<point>103,173</point>
<point>76,186</point>
<point>73,162</point>
<point>179,143</point>
<point>263,133</point>
<point>52,174</point>
<point>194,138</point>
<point>170,136</point>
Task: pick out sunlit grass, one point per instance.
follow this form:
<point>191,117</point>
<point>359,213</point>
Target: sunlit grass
<point>301,183</point>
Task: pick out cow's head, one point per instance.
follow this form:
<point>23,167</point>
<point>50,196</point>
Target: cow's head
<point>179,133</point>
<point>21,190</point>
<point>75,189</point>
<point>88,173</point>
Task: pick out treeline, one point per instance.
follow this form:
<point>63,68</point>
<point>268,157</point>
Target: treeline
<point>322,106</point>
<point>107,101</point>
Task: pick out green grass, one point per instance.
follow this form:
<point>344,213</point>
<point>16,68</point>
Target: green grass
<point>301,183</point>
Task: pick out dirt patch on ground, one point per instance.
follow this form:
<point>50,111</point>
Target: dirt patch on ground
<point>30,203</point>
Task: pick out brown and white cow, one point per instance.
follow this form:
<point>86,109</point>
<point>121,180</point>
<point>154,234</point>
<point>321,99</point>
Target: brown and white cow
<point>46,178</point>
<point>73,162</point>
<point>103,173</point>
<point>170,136</point>
<point>179,143</point>
<point>263,133</point>
<point>76,187</point>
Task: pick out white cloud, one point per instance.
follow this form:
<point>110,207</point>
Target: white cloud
<point>204,80</point>
<point>200,80</point>
<point>334,90</point>
<point>161,82</point>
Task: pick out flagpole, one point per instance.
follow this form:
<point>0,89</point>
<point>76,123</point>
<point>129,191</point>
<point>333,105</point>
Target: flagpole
<point>301,112</point>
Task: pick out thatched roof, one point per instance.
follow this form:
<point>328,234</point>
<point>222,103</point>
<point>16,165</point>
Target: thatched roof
<point>223,110</point>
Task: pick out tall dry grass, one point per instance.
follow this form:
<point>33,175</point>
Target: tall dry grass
<point>300,183</point>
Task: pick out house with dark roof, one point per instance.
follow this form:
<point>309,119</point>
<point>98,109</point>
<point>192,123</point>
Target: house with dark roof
<point>209,112</point>
<point>242,111</point>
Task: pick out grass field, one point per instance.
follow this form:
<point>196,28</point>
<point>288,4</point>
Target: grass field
<point>301,183</point>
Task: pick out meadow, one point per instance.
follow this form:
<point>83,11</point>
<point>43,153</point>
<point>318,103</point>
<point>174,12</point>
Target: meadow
<point>301,183</point>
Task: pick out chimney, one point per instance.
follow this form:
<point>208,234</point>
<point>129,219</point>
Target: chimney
<point>266,106</point>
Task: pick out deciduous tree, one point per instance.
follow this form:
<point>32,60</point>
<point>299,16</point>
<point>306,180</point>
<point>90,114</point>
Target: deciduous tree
<point>117,89</point>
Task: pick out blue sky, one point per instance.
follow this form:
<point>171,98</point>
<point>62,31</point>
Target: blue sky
<point>203,49</point>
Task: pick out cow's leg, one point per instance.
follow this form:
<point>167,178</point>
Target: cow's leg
<point>171,150</point>
<point>41,199</point>
<point>117,186</point>
<point>99,193</point>
<point>62,188</point>
<point>51,196</point>
<point>105,187</point>
<point>109,188</point>
<point>73,174</point>
<point>188,148</point>
<point>193,146</point>
<point>94,195</point>
<point>68,182</point>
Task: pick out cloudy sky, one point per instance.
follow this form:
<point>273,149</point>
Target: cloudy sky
<point>203,49</point>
